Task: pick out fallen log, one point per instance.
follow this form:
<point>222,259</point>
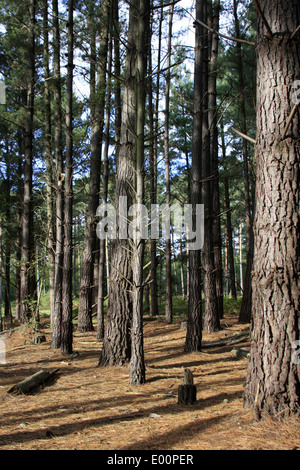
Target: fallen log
<point>239,353</point>
<point>227,342</point>
<point>32,382</point>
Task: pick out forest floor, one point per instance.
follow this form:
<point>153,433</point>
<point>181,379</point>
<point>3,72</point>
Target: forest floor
<point>90,408</point>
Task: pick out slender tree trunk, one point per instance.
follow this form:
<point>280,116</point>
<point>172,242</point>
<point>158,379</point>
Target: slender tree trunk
<point>194,325</point>
<point>212,118</point>
<point>241,259</point>
<point>97,116</point>
<point>56,335</point>
<point>101,284</point>
<point>27,284</point>
<point>7,305</point>
<point>273,376</point>
<point>67,306</point>
<point>168,301</point>
<point>211,320</point>
<point>153,174</point>
<point>245,312</point>
<point>19,226</point>
<point>231,270</point>
<point>49,162</point>
<point>117,73</point>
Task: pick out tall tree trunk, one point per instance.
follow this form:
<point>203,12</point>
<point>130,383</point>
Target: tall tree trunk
<point>153,172</point>
<point>137,363</point>
<point>116,348</point>
<point>101,283</point>
<point>8,249</point>
<point>168,300</point>
<point>49,161</point>
<point>56,335</point>
<point>194,325</point>
<point>19,196</point>
<point>97,117</point>
<point>231,270</point>
<point>273,376</point>
<point>212,118</point>
<point>245,312</point>
<point>27,281</point>
<point>67,306</point>
<point>211,320</point>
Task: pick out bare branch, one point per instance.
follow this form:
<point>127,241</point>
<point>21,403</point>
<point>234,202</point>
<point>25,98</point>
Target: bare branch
<point>295,32</point>
<point>246,137</point>
<point>243,41</point>
<point>289,120</point>
<point>263,18</point>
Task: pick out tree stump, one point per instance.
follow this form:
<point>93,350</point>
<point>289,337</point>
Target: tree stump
<point>187,392</point>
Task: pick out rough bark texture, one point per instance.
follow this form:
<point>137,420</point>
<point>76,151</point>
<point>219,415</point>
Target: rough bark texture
<point>117,342</point>
<point>56,335</point>
<point>211,321</point>
<point>194,324</point>
<point>273,378</point>
<point>137,363</point>
<point>67,306</point>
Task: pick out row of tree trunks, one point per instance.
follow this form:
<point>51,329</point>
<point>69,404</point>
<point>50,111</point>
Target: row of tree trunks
<point>97,123</point>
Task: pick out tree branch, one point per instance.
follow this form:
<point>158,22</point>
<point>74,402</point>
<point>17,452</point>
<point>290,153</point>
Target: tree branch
<point>246,137</point>
<point>263,17</point>
<point>243,41</point>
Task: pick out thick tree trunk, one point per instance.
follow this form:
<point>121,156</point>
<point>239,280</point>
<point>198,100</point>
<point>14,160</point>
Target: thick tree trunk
<point>137,364</point>
<point>273,377</point>
<point>117,342</point>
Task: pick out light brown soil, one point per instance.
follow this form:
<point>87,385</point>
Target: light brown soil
<point>92,408</point>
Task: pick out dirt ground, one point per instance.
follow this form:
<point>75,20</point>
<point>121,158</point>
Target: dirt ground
<point>92,408</point>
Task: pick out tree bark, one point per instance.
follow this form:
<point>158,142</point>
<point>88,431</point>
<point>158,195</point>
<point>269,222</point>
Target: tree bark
<point>67,305</point>
<point>97,116</point>
<point>102,258</point>
<point>211,320</point>
<point>56,335</point>
<point>137,363</point>
<point>49,162</point>
<point>273,376</point>
<point>245,312</point>
<point>27,279</point>
<point>168,299</point>
<point>231,270</point>
<point>194,323</point>
<point>214,145</point>
<point>116,348</point>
